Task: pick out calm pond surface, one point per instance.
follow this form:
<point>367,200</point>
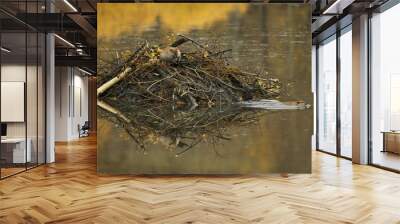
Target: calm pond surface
<point>264,38</point>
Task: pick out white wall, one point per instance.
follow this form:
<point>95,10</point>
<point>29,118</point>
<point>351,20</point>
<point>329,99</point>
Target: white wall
<point>16,73</point>
<point>13,101</point>
<point>12,73</point>
<point>80,97</point>
<point>71,102</point>
<point>61,103</point>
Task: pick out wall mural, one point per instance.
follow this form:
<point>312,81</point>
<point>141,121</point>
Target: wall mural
<point>204,88</point>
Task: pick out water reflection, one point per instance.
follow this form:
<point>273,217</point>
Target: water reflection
<point>181,130</point>
<point>273,39</point>
<point>178,18</point>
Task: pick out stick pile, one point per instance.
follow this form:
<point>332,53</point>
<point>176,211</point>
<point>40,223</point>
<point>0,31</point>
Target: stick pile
<point>200,78</point>
<point>183,101</point>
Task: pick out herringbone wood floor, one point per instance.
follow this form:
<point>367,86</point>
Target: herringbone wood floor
<point>70,191</point>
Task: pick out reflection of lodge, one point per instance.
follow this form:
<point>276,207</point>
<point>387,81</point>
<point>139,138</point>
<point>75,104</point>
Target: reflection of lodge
<point>180,130</point>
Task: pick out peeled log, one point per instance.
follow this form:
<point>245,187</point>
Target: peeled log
<point>113,81</point>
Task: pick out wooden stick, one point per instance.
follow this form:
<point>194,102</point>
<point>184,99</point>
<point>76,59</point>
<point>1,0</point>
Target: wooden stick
<point>112,110</point>
<point>179,42</point>
<point>196,43</point>
<point>221,52</point>
<point>113,81</point>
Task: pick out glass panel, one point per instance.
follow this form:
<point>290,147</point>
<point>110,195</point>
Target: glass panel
<point>346,94</point>
<point>23,91</point>
<point>386,89</point>
<point>327,96</point>
<point>31,98</point>
<point>32,89</point>
<point>41,99</point>
<point>13,87</point>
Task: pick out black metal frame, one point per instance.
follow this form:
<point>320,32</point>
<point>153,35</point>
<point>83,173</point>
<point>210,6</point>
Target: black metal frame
<point>44,80</point>
<point>369,91</point>
<point>338,98</point>
<point>338,153</point>
<point>316,98</point>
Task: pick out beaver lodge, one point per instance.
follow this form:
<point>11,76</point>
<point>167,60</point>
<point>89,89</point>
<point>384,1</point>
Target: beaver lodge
<point>182,94</point>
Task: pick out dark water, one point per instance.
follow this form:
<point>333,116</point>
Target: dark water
<point>273,39</point>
